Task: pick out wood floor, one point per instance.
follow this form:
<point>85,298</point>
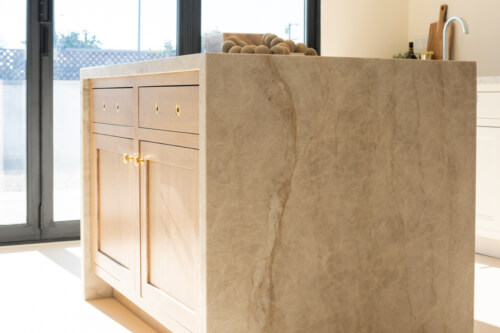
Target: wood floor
<point>40,292</point>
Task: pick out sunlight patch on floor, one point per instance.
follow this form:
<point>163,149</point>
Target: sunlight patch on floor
<point>487,295</point>
<point>41,291</point>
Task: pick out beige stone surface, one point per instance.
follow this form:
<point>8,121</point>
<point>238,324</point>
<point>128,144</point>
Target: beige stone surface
<point>336,194</point>
<point>340,195</point>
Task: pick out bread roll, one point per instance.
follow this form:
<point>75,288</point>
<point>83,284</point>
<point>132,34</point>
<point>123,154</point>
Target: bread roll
<point>236,40</point>
<point>227,45</point>
<point>291,45</point>
<point>300,48</point>
<point>268,39</point>
<point>279,50</point>
<point>311,52</point>
<point>262,49</point>
<point>248,49</point>
<point>276,41</point>
<point>235,49</point>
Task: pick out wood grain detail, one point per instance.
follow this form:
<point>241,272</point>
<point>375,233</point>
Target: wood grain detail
<point>113,106</point>
<point>169,108</point>
<point>115,213</point>
<point>167,79</point>
<point>169,230</point>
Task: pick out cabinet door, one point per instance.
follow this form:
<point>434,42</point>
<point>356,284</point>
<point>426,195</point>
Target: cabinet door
<point>169,231</point>
<point>115,212</point>
<point>488,182</point>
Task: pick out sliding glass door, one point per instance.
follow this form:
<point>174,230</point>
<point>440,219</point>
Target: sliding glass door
<point>260,16</point>
<point>140,30</point>
<point>43,45</point>
<point>13,176</point>
<point>19,123</point>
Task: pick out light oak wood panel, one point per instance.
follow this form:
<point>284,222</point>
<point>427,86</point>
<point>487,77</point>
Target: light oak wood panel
<point>166,79</point>
<point>114,82</point>
<point>115,212</point>
<point>167,137</point>
<point>169,231</point>
<point>170,79</point>
<point>113,106</point>
<point>169,108</point>
<point>113,130</point>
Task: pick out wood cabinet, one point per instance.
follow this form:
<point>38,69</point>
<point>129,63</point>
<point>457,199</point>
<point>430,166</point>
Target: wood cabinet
<point>169,230</point>
<point>145,192</point>
<point>115,211</point>
<point>113,106</point>
<point>256,176</point>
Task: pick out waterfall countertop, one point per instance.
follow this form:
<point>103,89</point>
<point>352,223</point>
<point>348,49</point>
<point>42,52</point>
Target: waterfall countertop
<point>336,194</point>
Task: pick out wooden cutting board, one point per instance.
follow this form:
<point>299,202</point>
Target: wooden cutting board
<point>435,42</point>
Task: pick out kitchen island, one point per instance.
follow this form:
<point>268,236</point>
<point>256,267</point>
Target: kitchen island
<point>258,193</point>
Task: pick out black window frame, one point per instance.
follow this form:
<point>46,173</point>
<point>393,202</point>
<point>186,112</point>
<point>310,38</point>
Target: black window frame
<point>40,225</point>
<point>189,25</point>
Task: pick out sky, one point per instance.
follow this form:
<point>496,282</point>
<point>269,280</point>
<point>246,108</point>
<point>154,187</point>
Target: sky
<point>115,22</point>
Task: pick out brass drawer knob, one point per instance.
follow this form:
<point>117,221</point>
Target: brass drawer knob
<point>138,161</point>
<point>157,108</point>
<point>103,106</point>
<point>178,110</point>
<point>117,107</point>
<point>127,158</point>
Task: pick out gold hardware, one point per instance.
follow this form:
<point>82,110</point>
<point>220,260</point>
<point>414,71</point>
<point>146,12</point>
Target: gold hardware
<point>157,109</point>
<point>127,158</point>
<point>138,161</point>
<point>178,110</point>
<point>426,55</point>
<point>103,106</point>
<point>117,107</point>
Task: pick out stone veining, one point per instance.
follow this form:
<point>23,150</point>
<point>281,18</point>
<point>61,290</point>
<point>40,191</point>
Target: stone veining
<point>261,298</point>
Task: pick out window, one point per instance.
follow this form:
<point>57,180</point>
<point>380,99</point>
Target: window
<point>13,175</point>
<point>138,31</point>
<point>43,45</point>
<point>283,18</point>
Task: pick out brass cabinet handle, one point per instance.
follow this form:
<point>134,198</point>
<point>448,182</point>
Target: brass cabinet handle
<point>157,108</point>
<point>178,110</point>
<point>139,161</point>
<point>127,158</point>
<point>103,106</point>
<point>117,107</point>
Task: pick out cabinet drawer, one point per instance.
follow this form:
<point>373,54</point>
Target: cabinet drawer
<point>113,106</point>
<point>169,108</point>
<point>488,104</point>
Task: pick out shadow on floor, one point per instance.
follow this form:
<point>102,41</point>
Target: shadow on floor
<point>63,258</point>
<point>480,327</point>
<point>120,314</point>
<point>488,261</point>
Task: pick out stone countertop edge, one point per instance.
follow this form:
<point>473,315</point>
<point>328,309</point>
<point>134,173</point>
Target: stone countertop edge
<point>196,62</point>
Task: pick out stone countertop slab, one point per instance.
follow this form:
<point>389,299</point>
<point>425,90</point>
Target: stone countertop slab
<point>336,194</point>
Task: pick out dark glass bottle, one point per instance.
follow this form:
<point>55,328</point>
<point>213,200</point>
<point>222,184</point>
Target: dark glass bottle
<point>410,54</point>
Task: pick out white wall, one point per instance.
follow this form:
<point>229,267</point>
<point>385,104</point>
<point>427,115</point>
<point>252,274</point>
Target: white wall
<point>483,42</point>
<point>364,28</point>
<point>382,28</point>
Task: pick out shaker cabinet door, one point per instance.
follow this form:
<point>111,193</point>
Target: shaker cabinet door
<point>115,211</point>
<point>169,231</point>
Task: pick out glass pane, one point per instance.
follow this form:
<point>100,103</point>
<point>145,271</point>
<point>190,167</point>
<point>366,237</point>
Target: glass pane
<point>283,18</point>
<point>12,112</point>
<point>119,31</point>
